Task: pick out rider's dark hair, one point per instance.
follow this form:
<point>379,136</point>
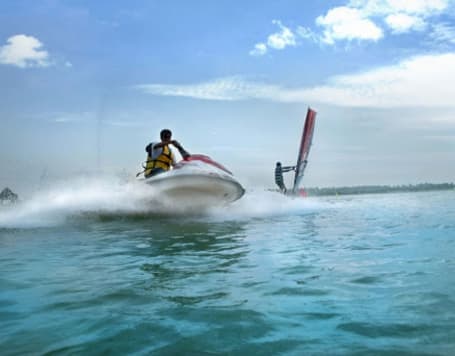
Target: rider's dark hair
<point>165,132</point>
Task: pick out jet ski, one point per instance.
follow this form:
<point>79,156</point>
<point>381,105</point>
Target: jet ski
<point>196,181</point>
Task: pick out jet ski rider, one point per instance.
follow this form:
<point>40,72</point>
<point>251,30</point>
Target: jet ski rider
<point>279,170</point>
<point>159,156</point>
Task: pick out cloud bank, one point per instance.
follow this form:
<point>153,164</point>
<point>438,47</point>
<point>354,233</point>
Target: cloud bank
<point>361,20</point>
<point>414,82</point>
<point>24,51</point>
<point>369,19</point>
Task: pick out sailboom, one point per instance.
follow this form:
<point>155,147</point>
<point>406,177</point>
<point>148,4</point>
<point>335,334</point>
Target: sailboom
<point>304,150</point>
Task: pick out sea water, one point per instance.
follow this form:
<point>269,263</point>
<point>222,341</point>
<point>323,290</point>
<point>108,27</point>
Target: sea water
<point>89,270</point>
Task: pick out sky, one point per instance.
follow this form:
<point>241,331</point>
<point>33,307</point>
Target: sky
<point>85,86</point>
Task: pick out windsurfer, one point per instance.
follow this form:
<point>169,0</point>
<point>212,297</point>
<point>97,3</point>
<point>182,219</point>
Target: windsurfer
<point>279,170</point>
<point>160,158</point>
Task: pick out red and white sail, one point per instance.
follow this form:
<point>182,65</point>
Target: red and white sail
<point>305,145</point>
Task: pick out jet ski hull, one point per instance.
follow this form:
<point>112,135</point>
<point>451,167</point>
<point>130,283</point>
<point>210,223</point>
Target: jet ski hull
<point>196,182</point>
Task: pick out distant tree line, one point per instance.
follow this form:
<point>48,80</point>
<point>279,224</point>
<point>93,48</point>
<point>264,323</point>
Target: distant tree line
<point>376,189</point>
<point>8,197</point>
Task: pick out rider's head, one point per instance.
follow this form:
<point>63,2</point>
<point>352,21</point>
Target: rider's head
<point>165,135</point>
<point>278,164</point>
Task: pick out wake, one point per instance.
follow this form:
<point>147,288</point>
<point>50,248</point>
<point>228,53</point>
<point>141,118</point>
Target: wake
<point>88,197</point>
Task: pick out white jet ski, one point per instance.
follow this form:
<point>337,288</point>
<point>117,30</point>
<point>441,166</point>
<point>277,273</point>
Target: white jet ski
<point>196,181</point>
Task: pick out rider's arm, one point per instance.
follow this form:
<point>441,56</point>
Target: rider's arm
<point>182,151</point>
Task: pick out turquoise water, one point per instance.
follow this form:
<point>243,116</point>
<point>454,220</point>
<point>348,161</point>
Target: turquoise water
<point>84,272</point>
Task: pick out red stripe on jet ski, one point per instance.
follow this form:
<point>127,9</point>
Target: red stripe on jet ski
<point>207,160</point>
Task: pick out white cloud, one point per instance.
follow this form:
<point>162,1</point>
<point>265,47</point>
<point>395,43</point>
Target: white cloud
<point>361,19</point>
<point>345,23</point>
<point>228,88</point>
<point>259,49</point>
<point>412,7</point>
<point>282,39</point>
<point>418,81</point>
<point>400,23</point>
<point>278,40</point>
<point>443,33</point>
<point>307,33</point>
<point>24,51</point>
<point>117,119</point>
<point>71,117</point>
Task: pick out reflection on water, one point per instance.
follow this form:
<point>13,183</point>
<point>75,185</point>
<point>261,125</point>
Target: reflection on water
<point>190,254</point>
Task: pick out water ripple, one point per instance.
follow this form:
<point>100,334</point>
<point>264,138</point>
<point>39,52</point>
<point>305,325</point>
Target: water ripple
<point>345,276</point>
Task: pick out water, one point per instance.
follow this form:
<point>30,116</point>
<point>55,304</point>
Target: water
<point>91,270</point>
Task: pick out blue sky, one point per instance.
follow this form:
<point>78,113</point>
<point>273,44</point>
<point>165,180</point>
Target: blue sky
<point>86,85</point>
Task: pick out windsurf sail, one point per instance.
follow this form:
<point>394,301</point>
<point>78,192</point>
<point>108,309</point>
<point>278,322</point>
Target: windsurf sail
<point>305,145</point>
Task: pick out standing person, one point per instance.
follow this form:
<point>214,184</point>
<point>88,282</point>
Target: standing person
<point>159,156</point>
<point>279,170</point>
